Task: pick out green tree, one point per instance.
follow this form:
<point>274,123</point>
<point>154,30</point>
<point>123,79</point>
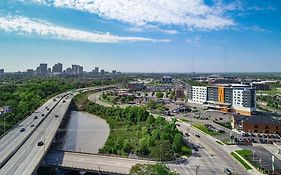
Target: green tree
<point>148,169</point>
<point>159,95</point>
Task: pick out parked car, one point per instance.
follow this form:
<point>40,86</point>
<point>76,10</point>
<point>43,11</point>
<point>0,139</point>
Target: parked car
<point>22,129</point>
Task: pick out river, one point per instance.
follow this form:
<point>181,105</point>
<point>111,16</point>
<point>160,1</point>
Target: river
<point>85,133</point>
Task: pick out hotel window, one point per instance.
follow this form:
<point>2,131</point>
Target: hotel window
<point>266,127</point>
<point>256,126</point>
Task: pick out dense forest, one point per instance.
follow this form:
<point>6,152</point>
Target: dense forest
<point>133,131</point>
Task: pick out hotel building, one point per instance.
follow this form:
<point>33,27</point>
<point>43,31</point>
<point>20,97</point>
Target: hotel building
<point>237,98</point>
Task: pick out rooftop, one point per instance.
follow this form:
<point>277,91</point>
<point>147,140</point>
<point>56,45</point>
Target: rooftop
<point>258,119</point>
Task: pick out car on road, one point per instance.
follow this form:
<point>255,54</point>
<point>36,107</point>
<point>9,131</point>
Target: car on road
<point>43,115</point>
<point>56,116</point>
<point>35,117</point>
<point>63,101</point>
<point>32,125</point>
<point>197,135</point>
<point>40,143</point>
<point>22,129</point>
<point>196,149</point>
<point>227,171</point>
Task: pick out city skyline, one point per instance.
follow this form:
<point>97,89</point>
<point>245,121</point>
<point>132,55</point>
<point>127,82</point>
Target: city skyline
<point>180,36</point>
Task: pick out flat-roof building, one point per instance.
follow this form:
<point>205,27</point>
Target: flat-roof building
<point>239,98</point>
<point>257,124</point>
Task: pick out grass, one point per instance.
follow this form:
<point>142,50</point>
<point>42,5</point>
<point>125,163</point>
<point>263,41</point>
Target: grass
<point>204,129</point>
<point>270,92</point>
<point>219,142</point>
<point>226,124</point>
<point>245,164</point>
<point>185,120</point>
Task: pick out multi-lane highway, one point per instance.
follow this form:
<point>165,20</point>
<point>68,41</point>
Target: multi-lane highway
<point>10,142</point>
<point>20,150</point>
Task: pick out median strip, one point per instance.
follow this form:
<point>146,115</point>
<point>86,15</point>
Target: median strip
<point>240,159</point>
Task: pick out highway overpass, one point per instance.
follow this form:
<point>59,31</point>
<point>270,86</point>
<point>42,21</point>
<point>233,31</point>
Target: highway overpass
<point>91,162</point>
<point>19,150</point>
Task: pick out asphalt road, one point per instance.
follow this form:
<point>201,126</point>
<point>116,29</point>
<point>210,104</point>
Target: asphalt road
<point>29,155</point>
<point>10,142</point>
<point>91,162</point>
<point>212,155</point>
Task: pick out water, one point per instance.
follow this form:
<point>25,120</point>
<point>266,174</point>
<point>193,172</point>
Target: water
<point>85,133</point>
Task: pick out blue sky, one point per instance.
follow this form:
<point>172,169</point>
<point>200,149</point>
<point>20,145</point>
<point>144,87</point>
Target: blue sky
<point>142,35</point>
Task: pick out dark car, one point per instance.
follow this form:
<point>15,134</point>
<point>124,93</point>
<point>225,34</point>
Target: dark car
<point>43,115</point>
<point>227,171</point>
<point>35,117</point>
<point>32,125</point>
<point>197,135</point>
<point>22,129</point>
<point>63,101</point>
<point>41,143</point>
<point>196,149</point>
<point>56,116</point>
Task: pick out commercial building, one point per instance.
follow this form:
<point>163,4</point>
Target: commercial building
<point>238,98</point>
<point>29,71</point>
<point>257,124</point>
<point>77,69</point>
<point>2,71</point>
<point>114,72</point>
<point>102,72</point>
<point>179,92</point>
<point>260,85</point>
<point>96,70</point>
<point>136,86</point>
<point>166,79</point>
<point>57,68</point>
<point>5,109</point>
<point>42,69</point>
<point>197,94</point>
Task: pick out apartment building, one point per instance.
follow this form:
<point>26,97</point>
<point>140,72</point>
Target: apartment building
<point>238,98</point>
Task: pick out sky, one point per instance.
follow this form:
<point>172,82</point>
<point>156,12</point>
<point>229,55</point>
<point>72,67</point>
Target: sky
<point>142,35</point>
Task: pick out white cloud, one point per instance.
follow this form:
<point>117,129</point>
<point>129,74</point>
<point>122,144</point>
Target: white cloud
<point>27,26</point>
<point>190,13</point>
<point>195,41</point>
<point>151,28</point>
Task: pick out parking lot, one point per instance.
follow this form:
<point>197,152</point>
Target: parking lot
<point>248,138</point>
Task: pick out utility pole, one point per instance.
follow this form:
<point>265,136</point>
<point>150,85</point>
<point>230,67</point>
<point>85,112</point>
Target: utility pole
<point>225,47</point>
<point>197,168</point>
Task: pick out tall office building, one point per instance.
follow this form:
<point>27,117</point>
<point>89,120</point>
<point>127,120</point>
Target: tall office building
<point>80,70</point>
<point>102,72</point>
<point>77,69</point>
<point>2,71</point>
<point>96,70</point>
<point>114,71</point>
<point>57,68</point>
<point>43,69</point>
